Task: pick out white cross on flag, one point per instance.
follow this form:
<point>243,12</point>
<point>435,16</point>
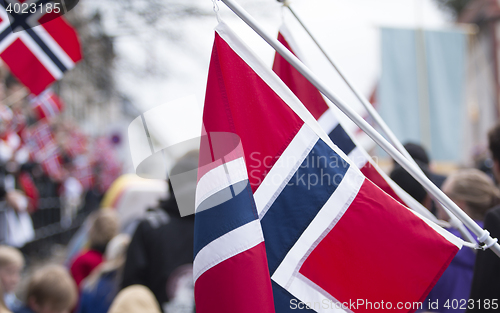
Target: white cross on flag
<point>284,220</point>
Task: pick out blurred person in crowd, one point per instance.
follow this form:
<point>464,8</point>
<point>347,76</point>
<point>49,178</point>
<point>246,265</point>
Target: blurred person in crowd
<point>421,157</point>
<point>404,179</point>
<point>50,290</point>
<point>163,243</point>
<point>105,226</point>
<point>486,282</point>
<point>134,299</point>
<point>419,154</point>
<point>11,265</point>
<point>475,193</point>
<point>3,307</point>
<point>102,285</point>
<point>16,226</point>
<point>481,157</point>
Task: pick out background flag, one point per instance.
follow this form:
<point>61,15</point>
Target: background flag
<point>329,234</point>
<point>47,104</point>
<point>326,117</point>
<point>43,148</point>
<point>37,55</point>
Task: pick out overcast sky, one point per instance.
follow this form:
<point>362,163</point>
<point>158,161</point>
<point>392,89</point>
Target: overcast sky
<point>347,29</point>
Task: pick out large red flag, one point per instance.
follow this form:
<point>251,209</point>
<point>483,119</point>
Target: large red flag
<point>316,104</point>
<point>280,194</point>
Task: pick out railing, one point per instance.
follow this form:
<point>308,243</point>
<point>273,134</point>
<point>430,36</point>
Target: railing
<point>50,229</point>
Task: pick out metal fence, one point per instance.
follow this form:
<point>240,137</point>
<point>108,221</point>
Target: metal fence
<point>50,229</point>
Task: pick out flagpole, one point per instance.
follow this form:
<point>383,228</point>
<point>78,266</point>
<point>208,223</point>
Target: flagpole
<point>454,221</point>
<point>483,235</point>
<point>366,104</point>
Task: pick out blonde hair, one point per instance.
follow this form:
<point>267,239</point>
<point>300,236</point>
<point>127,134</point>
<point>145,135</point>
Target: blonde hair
<point>54,286</point>
<point>475,188</point>
<point>135,298</point>
<point>9,256</point>
<point>104,228</point>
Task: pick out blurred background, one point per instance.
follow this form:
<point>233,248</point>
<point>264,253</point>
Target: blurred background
<point>429,67</point>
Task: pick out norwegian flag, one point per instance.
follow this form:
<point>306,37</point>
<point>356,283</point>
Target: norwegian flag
<point>38,137</point>
<point>47,104</point>
<point>76,145</point>
<point>51,164</point>
<point>43,148</point>
<point>36,55</point>
<point>83,171</point>
<point>327,118</point>
<point>284,220</point>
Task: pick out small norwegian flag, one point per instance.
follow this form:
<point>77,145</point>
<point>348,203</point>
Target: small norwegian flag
<point>83,172</point>
<point>37,48</point>
<point>47,104</point>
<point>52,165</point>
<point>76,144</point>
<point>44,149</point>
<point>38,137</point>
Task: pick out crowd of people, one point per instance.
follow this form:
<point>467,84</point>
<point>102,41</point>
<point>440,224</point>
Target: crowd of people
<point>470,283</point>
<point>118,270</point>
<point>44,155</point>
<point>99,279</point>
<point>148,268</point>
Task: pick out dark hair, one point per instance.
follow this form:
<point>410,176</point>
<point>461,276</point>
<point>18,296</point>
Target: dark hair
<point>169,204</point>
<point>494,142</point>
<point>417,152</point>
<point>401,177</point>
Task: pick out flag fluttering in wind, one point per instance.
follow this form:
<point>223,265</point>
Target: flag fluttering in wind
<point>43,148</point>
<point>38,49</point>
<point>326,117</point>
<point>47,104</point>
<point>284,219</point>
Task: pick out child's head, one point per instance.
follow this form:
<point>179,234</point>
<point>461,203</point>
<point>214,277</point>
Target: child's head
<point>103,229</point>
<point>11,265</point>
<point>51,290</point>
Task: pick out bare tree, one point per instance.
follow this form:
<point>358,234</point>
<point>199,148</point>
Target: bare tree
<point>455,7</point>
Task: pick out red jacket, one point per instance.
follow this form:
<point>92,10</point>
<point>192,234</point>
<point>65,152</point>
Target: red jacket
<point>83,265</point>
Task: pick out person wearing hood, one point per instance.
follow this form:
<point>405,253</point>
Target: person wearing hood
<point>162,245</point>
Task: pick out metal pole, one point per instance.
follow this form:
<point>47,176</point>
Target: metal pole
<point>483,235</point>
<point>454,221</point>
<point>366,104</point>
